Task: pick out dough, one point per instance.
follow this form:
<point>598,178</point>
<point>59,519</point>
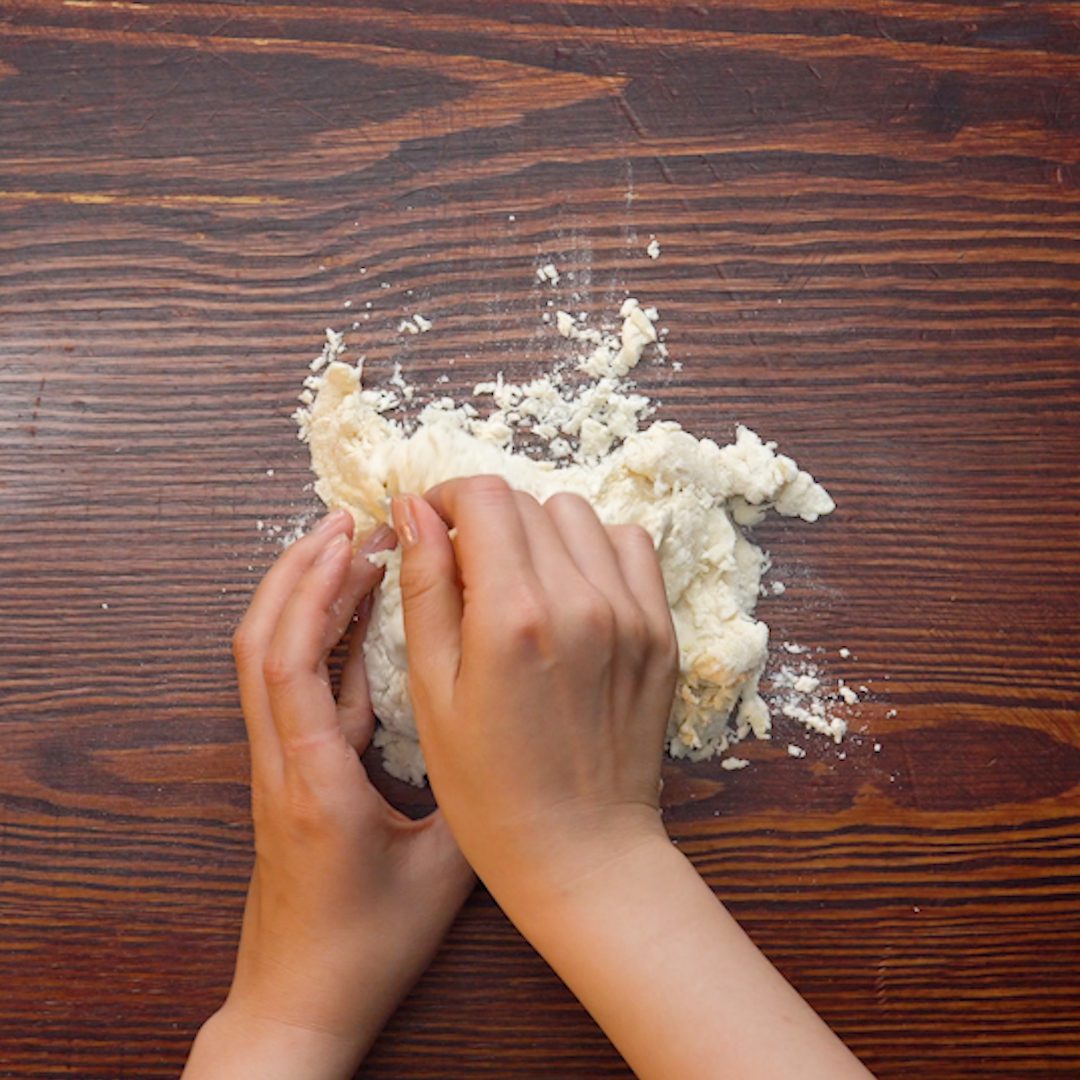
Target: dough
<point>691,495</point>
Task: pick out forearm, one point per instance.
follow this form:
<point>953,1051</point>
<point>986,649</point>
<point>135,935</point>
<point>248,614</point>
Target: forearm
<point>670,976</point>
<point>234,1046</point>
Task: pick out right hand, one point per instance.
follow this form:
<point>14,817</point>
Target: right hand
<point>542,662</point>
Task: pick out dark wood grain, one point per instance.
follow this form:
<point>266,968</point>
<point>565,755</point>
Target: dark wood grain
<point>870,222</point>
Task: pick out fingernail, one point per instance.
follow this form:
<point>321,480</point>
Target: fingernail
<point>335,517</point>
<point>405,520</point>
<point>381,538</point>
<point>333,549</point>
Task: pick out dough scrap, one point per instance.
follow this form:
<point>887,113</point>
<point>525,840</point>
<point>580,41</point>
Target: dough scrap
<point>691,495</point>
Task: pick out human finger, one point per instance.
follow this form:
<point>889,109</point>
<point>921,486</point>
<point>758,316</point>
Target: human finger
<point>491,546</point>
<point>362,577</point>
<point>588,544</point>
<point>252,637</point>
<point>298,685</point>
<point>641,571</point>
<point>430,596</point>
<point>276,587</point>
<point>355,716</point>
<point>552,562</point>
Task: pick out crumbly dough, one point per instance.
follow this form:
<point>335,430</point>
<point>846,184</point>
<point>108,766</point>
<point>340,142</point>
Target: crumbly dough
<point>690,494</point>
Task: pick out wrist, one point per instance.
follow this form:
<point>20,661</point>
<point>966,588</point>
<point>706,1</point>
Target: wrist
<point>567,862</point>
<point>236,1043</point>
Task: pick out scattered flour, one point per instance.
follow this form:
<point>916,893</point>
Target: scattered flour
<point>796,691</point>
<point>548,274</point>
<point>613,354</point>
<point>331,350</point>
<point>288,532</point>
<point>416,324</point>
<point>692,496</point>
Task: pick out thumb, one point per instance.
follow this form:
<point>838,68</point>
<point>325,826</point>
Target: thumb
<point>430,598</point>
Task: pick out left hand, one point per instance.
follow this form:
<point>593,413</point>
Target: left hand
<point>349,899</point>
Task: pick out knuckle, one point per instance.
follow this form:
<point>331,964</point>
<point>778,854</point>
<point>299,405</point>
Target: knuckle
<point>277,671</point>
<point>566,500</point>
<point>243,647</point>
<point>422,587</point>
<point>633,541</point>
<point>485,486</point>
<point>594,617</point>
<point>636,535</point>
<point>527,619</point>
<point>635,633</point>
<point>666,644</point>
<point>525,500</point>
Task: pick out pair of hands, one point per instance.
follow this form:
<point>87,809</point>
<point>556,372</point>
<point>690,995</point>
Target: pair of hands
<point>542,663</point>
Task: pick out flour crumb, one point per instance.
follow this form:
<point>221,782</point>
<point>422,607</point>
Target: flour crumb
<point>397,380</point>
<point>653,249</point>
<point>288,532</point>
<point>732,764</point>
<point>845,654</point>
<point>332,350</point>
<point>795,690</point>
<point>796,751</point>
<point>547,274</point>
<point>849,695</point>
<point>615,357</point>
<point>877,748</point>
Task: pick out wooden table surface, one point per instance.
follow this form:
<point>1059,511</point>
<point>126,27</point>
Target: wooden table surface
<point>870,250</point>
